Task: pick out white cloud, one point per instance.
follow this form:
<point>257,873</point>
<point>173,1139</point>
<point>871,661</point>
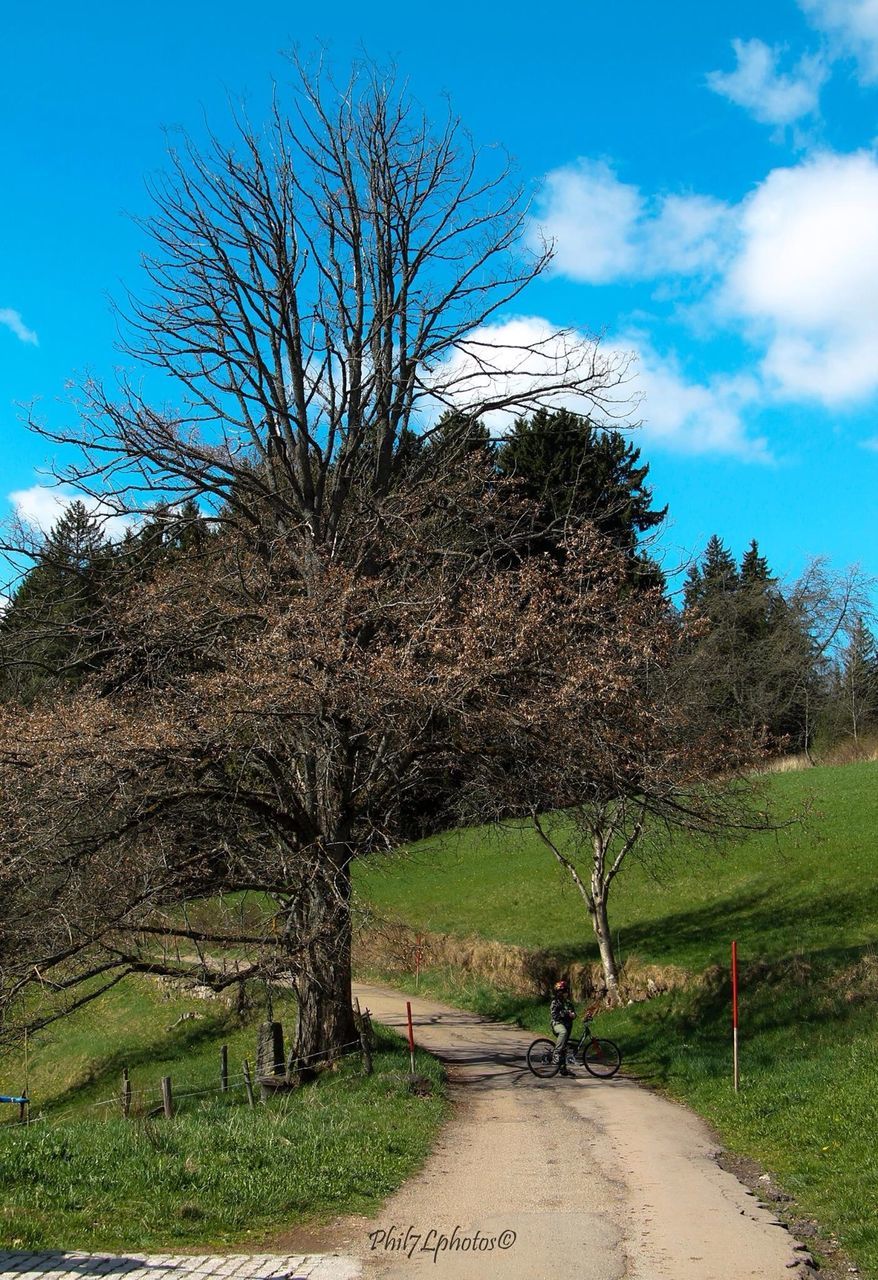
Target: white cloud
<point>12,320</point>
<point>604,229</point>
<point>871,443</point>
<point>42,506</point>
<point>677,414</point>
<point>852,28</point>
<point>759,87</point>
<point>806,277</point>
<point>697,417</point>
<point>793,267</point>
<point>592,217</point>
<point>688,235</point>
<point>524,362</point>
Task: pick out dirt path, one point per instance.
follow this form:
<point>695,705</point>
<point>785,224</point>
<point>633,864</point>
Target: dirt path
<point>532,1179</point>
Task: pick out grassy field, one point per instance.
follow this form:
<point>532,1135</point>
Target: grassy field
<point>218,1174</point>
<point>803,906</point>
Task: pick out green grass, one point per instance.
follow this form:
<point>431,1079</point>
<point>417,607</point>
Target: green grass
<point>803,906</point>
<point>220,1173</point>
<point>777,893</point>
<point>77,1061</point>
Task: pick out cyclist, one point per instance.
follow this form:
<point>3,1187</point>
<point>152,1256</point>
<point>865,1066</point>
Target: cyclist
<point>561,1014</point>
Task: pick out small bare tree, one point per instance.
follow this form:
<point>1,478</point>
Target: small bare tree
<point>641,767</point>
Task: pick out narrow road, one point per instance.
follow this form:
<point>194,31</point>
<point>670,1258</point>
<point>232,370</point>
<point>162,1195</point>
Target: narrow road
<point>601,1180</point>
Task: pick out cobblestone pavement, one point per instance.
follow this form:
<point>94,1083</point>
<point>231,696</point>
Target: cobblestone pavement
<point>138,1266</point>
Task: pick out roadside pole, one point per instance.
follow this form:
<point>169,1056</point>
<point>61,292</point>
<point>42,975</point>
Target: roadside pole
<point>735,1013</point>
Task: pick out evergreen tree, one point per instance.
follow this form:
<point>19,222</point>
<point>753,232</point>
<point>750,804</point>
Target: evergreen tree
<point>858,681</point>
<point>754,567</point>
<point>755,668</point>
<point>719,573</point>
<point>47,630</point>
<point>577,471</point>
<point>761,604</point>
<point>458,434</point>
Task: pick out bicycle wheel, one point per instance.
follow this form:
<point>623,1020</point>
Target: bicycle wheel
<point>601,1058</point>
<point>541,1059</point>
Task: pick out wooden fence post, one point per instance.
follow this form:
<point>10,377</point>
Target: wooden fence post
<point>167,1098</point>
<point>269,1056</point>
<point>248,1084</point>
<point>126,1094</point>
<point>224,1068</point>
<point>270,1050</point>
<point>360,1024</point>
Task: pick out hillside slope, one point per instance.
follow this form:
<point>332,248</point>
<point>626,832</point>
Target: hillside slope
<point>803,905</point>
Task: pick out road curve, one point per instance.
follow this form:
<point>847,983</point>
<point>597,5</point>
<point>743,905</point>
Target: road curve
<point>530,1179</point>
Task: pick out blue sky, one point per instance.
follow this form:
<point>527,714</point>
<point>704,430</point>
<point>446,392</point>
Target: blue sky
<point>709,174</point>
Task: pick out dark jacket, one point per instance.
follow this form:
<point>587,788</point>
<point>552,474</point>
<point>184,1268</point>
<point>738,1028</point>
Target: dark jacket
<point>562,1011</point>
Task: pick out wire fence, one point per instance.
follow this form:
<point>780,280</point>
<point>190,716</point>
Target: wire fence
<point>233,1081</point>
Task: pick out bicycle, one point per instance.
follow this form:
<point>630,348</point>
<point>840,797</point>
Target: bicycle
<point>601,1058</point>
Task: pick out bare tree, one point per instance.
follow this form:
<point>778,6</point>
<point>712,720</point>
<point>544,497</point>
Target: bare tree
<point>825,605</point>
<point>246,740</point>
<point>645,770</point>
<point>318,289</point>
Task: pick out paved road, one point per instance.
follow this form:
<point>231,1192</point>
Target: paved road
<point>76,1266</point>
<point>598,1179</point>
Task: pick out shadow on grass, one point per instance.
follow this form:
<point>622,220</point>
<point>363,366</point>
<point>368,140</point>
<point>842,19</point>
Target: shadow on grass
<point>764,920</point>
<point>175,1047</point>
<point>798,994</point>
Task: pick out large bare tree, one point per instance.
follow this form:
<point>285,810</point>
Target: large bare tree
<point>243,743</point>
<point>316,291</point>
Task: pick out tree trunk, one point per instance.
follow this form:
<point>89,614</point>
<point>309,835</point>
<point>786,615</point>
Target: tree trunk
<point>322,977</point>
<point>601,923</point>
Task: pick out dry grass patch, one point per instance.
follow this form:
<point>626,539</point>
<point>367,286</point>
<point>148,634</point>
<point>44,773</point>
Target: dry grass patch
<point>394,949</point>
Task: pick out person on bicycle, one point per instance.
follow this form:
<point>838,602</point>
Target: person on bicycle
<point>561,1014</point>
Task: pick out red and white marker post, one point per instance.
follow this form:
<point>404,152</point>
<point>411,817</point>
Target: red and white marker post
<point>735,1013</point>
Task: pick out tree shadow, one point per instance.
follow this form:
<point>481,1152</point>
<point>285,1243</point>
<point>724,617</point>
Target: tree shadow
<point>188,1039</point>
<point>769,923</point>
<point>800,994</point>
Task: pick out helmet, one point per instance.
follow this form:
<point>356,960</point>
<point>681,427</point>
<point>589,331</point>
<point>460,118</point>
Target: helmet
<point>562,985</point>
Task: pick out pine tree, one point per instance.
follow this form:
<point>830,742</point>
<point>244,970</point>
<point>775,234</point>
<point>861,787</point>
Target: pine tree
<point>754,667</point>
<point>858,683</point>
<point>754,567</point>
<point>692,588</point>
<point>719,573</point>
<point>760,602</point>
<point>459,434</point>
<point>577,471</point>
<point>46,631</point>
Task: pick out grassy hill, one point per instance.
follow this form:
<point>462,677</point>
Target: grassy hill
<point>803,905</point>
